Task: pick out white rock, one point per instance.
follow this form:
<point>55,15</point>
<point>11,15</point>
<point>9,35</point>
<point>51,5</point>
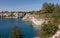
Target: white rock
<point>36,37</point>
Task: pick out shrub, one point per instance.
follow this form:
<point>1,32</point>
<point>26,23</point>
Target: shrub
<point>48,30</point>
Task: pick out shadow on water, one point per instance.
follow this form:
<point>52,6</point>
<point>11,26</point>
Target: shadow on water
<point>6,26</point>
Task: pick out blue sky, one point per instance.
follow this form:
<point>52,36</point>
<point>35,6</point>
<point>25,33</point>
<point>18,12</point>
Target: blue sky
<point>23,5</point>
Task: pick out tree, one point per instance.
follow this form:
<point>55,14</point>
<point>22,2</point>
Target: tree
<point>47,8</point>
<point>56,14</point>
<point>6,12</point>
<point>45,5</point>
<point>51,7</point>
<point>57,9</point>
<point>48,30</point>
<point>16,33</point>
<point>0,36</point>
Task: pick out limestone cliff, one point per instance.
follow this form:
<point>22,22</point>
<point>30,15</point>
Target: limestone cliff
<point>36,21</point>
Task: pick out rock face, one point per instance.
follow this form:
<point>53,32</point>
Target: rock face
<point>36,37</point>
<point>11,15</point>
<point>36,21</point>
<point>57,35</point>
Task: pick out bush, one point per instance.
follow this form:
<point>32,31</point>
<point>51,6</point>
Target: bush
<point>0,36</point>
<point>16,33</point>
<point>48,30</point>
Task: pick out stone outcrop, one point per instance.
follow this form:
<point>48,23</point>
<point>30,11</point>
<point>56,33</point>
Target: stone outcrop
<point>57,34</point>
<point>11,15</point>
<point>36,21</point>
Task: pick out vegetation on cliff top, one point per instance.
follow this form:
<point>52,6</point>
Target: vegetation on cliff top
<point>47,30</point>
<point>52,12</point>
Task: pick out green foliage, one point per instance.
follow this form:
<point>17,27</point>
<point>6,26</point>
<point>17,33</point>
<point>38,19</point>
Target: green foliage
<point>55,15</point>
<point>56,12</point>
<point>57,9</point>
<point>51,11</point>
<point>45,5</point>
<point>43,10</point>
<point>47,8</point>
<point>0,36</point>
<point>48,30</point>
<point>16,33</point>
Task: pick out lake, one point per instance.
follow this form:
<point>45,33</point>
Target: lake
<point>7,24</point>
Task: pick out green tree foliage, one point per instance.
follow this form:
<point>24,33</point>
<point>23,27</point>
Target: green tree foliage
<point>56,14</point>
<point>16,33</point>
<point>45,5</point>
<point>0,36</point>
<point>57,9</point>
<point>43,10</point>
<point>48,30</point>
<point>47,8</point>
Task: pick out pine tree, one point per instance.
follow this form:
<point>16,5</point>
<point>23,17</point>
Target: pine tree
<point>16,33</point>
<point>0,36</point>
<point>47,8</point>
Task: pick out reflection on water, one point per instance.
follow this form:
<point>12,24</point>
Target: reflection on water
<point>6,26</point>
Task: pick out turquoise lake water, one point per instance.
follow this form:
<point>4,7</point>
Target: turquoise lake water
<point>6,25</point>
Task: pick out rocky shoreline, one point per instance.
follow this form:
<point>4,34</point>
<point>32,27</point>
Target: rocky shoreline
<point>37,22</point>
<point>11,15</point>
